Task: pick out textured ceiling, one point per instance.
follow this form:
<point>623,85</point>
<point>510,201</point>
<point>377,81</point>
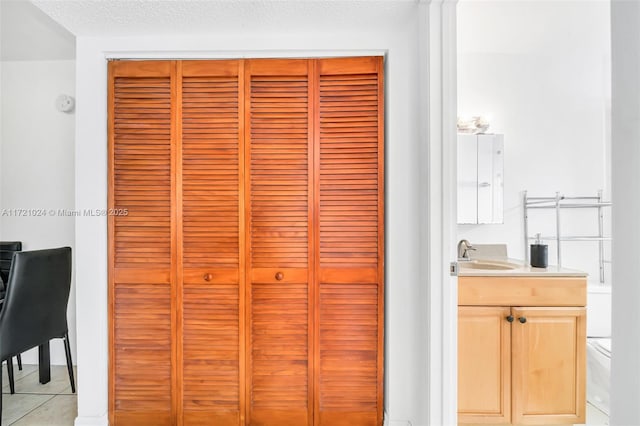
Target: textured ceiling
<point>192,17</point>
<point>26,33</point>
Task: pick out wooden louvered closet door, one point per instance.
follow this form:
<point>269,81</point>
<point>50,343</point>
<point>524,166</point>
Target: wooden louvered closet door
<point>246,281</point>
<point>141,265</point>
<point>277,195</point>
<point>350,269</point>
<point>209,241</point>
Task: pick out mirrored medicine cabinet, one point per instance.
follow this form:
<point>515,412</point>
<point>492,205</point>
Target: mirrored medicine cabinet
<point>480,178</point>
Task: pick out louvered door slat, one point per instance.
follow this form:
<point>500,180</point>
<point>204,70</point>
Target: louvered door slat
<point>279,353</point>
<point>210,156</point>
<point>348,353</point>
<point>211,354</point>
<point>279,171</point>
<point>210,167</point>
<point>350,191</point>
<point>137,159</point>
<point>143,349</point>
<point>140,132</point>
<point>278,139</point>
<point>349,208</point>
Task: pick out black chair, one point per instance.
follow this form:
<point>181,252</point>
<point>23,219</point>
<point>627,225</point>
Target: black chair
<point>35,305</point>
<point>7,248</point>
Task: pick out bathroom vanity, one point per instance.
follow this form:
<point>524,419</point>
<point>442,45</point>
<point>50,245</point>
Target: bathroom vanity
<point>521,344</point>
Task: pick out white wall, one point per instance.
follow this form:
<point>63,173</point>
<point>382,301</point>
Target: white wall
<point>37,165</point>
<point>625,371</point>
<point>405,328</point>
<point>541,70</point>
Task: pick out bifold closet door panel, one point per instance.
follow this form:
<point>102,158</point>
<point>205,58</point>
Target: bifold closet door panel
<point>350,189</point>
<point>210,244</point>
<point>140,243</point>
<point>278,138</point>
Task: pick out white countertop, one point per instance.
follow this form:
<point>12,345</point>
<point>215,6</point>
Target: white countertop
<point>518,269</point>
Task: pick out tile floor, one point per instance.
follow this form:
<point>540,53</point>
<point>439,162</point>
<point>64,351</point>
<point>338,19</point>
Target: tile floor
<point>53,404</point>
<point>34,404</point>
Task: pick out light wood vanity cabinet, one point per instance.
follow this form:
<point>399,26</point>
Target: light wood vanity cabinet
<point>521,350</point>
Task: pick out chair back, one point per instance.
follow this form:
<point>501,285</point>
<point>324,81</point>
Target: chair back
<point>7,248</point>
<point>35,304</point>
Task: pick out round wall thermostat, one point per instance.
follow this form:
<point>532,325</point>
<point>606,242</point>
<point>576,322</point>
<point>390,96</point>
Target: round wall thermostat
<point>65,103</point>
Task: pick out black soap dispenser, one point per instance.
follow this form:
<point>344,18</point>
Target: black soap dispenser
<point>539,253</point>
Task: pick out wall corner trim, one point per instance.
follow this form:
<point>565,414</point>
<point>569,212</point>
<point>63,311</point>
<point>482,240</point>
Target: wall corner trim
<point>438,87</point>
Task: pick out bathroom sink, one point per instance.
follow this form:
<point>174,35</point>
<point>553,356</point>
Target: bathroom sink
<point>488,265</point>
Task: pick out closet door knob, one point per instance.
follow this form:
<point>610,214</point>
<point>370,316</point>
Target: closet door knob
<point>207,277</point>
<point>510,318</point>
<point>522,320</point>
<point>279,276</point>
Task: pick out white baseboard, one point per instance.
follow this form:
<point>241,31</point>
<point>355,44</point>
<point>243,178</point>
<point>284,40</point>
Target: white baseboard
<point>388,422</point>
<point>92,421</point>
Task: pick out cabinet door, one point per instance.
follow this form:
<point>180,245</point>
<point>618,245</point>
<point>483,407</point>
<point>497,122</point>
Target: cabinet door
<point>141,248</point>
<point>484,364</point>
<point>277,195</point>
<point>549,365</point>
<point>350,241</point>
<point>210,152</point>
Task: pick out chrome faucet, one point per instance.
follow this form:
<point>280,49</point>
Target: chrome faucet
<point>463,249</point>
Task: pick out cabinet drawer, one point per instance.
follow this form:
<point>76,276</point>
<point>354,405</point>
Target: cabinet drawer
<point>522,291</point>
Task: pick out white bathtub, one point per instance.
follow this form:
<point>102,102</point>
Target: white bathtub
<point>598,346</point>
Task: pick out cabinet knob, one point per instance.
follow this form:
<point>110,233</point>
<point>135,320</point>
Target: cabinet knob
<point>522,320</point>
<point>207,277</point>
<point>510,318</point>
<point>279,276</point>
